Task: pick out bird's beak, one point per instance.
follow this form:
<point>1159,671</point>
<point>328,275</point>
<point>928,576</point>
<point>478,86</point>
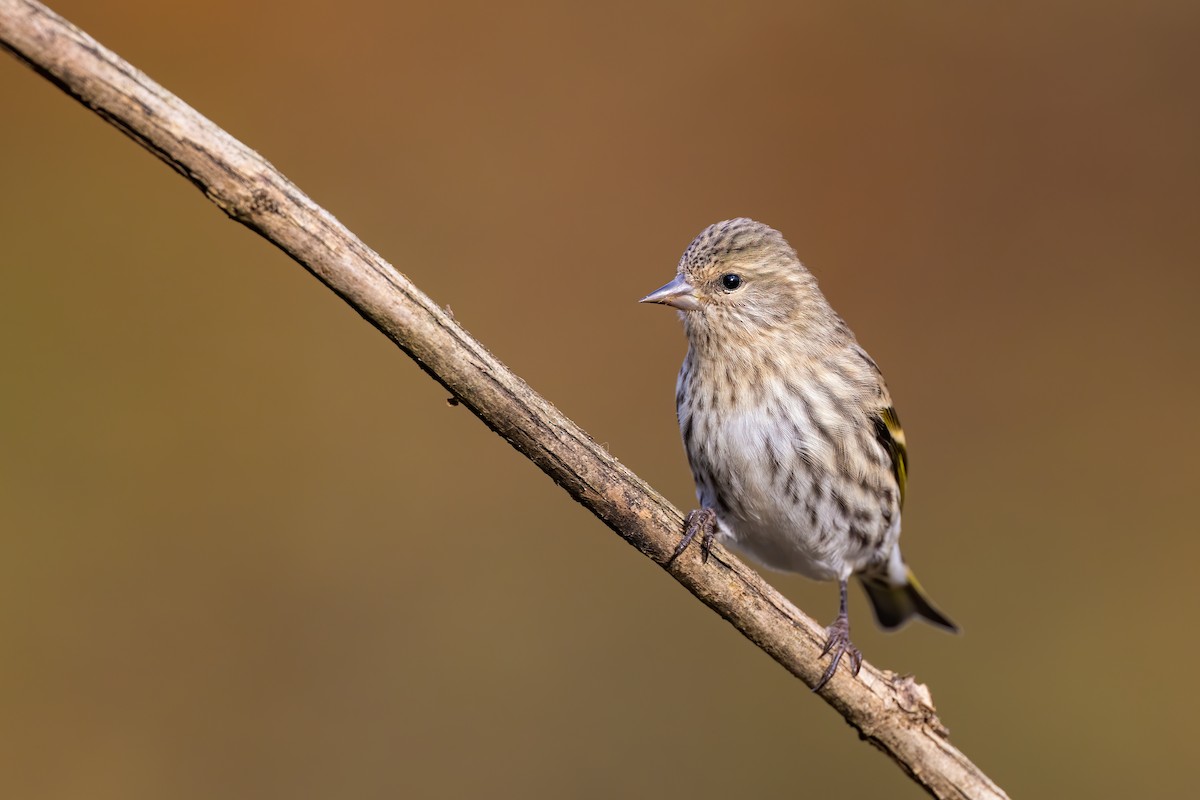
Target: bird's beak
<point>678,293</point>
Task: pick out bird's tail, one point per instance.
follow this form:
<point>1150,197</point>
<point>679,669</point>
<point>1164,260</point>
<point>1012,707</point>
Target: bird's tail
<point>895,603</point>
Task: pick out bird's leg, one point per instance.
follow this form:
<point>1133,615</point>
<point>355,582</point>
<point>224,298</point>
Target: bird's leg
<point>839,642</point>
<point>703,521</point>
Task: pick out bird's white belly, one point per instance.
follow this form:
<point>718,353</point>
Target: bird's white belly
<point>782,501</point>
<point>786,543</point>
<point>762,501</point>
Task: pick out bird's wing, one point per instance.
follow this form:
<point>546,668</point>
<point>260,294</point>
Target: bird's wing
<point>889,434</point>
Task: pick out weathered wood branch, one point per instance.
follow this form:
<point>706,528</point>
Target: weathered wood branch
<point>893,713</point>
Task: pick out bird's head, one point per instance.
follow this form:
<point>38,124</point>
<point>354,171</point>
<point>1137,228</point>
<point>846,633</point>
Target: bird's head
<point>740,279</point>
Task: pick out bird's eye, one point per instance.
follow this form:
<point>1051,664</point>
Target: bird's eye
<point>731,281</point>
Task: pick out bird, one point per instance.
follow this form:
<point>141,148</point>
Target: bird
<point>797,452</point>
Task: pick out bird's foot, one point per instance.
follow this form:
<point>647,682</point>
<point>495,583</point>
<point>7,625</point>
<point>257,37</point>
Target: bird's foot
<point>839,644</point>
<point>704,522</point>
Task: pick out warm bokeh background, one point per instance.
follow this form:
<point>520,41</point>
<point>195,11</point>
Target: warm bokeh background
<point>249,551</point>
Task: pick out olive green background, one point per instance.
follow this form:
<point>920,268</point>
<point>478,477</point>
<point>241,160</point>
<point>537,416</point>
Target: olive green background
<point>248,550</point>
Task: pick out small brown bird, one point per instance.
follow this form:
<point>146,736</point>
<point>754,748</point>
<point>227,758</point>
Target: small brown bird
<point>797,452</point>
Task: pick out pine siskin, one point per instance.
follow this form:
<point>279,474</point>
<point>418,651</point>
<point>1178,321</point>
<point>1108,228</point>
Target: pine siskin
<point>797,453</point>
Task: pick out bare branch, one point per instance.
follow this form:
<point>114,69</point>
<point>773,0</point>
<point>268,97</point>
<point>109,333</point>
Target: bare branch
<point>893,713</point>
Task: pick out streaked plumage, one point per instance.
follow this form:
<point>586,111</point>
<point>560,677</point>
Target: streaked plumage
<point>788,425</point>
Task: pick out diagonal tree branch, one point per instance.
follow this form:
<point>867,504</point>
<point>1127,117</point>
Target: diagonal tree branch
<point>893,713</point>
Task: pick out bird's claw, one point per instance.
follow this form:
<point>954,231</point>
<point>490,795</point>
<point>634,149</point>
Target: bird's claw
<point>839,644</point>
<point>704,522</point>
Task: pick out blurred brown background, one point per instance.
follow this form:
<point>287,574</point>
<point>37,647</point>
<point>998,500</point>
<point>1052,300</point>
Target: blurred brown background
<point>249,551</point>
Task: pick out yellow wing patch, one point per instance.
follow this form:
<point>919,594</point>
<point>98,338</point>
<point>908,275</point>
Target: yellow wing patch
<point>889,434</point>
